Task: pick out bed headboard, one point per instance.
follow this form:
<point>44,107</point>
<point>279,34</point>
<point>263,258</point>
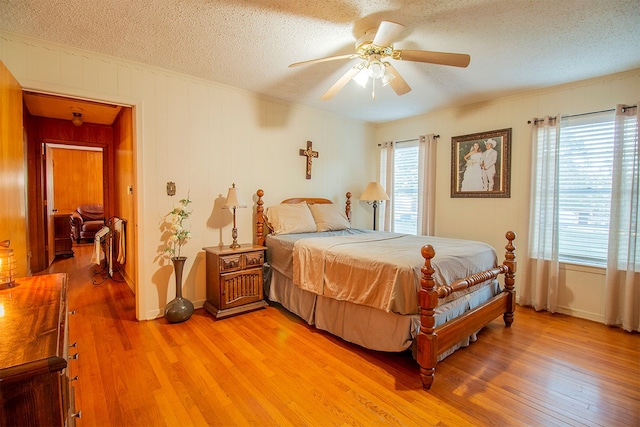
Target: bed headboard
<point>261,232</point>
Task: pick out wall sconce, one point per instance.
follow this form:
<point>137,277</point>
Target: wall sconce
<point>8,266</point>
<point>373,194</point>
<point>233,203</point>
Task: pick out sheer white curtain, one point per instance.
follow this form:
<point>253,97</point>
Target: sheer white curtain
<point>386,181</point>
<point>426,184</point>
<point>622,298</point>
<point>541,288</point>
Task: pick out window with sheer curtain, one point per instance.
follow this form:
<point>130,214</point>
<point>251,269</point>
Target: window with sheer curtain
<point>585,208</point>
<point>585,167</point>
<point>407,173</point>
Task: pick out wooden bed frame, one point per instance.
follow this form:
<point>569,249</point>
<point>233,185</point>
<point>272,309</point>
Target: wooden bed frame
<point>434,340</point>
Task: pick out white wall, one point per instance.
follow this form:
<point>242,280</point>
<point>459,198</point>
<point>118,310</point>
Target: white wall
<point>581,293</point>
<point>203,136</point>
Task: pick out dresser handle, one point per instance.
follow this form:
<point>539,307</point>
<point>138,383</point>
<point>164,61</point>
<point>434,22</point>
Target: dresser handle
<point>74,378</point>
<point>74,356</point>
<point>71,313</point>
<point>77,415</point>
<point>75,344</point>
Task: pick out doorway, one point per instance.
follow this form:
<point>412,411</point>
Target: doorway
<point>78,133</point>
<point>66,191</point>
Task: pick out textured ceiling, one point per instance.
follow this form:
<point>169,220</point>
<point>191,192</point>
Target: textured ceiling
<point>515,45</point>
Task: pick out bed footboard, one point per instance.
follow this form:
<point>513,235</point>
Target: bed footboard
<point>434,340</point>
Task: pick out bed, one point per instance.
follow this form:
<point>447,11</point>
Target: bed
<point>383,291</point>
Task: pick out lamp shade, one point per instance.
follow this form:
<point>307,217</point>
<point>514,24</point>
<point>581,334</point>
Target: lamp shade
<point>373,192</point>
<point>232,199</point>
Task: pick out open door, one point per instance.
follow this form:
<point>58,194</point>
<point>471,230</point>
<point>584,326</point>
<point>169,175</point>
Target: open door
<point>13,210</point>
<point>49,203</point>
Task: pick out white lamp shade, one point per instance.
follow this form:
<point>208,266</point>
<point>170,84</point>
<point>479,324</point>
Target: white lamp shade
<point>232,199</point>
<point>373,192</point>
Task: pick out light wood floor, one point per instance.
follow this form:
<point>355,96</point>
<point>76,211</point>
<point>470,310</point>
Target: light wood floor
<point>269,368</point>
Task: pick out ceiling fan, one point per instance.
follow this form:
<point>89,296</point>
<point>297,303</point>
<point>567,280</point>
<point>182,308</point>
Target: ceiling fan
<point>373,50</point>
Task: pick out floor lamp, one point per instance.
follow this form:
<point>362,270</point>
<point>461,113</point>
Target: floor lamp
<point>373,194</point>
<point>233,203</point>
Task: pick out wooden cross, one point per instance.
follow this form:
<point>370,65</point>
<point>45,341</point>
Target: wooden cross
<point>310,155</point>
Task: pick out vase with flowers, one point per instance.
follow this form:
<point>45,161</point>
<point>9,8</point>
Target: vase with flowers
<point>178,309</point>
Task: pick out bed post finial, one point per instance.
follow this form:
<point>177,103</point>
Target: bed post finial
<point>428,300</point>
<point>510,277</point>
<point>260,218</point>
<point>347,208</point>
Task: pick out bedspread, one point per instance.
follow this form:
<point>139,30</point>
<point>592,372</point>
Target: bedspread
<point>382,270</point>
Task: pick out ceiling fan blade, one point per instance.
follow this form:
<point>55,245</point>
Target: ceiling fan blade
<point>398,84</point>
<point>442,58</point>
<point>328,58</point>
<point>340,83</point>
<point>387,33</point>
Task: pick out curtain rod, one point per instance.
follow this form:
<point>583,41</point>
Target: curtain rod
<point>624,109</point>
<point>408,140</point>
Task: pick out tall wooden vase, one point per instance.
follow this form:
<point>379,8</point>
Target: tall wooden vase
<point>179,309</point>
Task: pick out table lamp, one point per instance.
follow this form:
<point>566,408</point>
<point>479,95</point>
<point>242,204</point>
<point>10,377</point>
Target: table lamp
<point>233,203</point>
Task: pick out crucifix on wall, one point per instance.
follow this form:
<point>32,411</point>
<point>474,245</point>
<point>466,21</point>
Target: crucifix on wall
<point>310,155</point>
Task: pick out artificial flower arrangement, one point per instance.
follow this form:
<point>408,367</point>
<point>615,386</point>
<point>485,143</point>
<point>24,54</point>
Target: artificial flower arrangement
<point>179,234</point>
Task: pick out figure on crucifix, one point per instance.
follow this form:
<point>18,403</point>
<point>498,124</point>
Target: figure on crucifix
<point>310,155</point>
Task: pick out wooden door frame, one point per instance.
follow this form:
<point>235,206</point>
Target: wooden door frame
<point>108,179</point>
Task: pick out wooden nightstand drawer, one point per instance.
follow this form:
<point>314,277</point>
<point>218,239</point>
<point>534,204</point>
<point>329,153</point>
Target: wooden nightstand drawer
<point>229,263</point>
<point>253,259</point>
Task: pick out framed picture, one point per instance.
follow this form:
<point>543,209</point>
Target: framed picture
<point>480,164</point>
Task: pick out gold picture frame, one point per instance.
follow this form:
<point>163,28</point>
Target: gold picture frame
<point>481,164</point>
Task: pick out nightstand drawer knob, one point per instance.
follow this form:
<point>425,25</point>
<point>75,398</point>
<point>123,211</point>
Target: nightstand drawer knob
<point>77,415</point>
<point>74,356</point>
<point>74,378</point>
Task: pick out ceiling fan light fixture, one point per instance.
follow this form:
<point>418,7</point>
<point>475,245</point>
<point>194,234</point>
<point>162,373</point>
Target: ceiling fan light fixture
<point>362,77</point>
<point>376,69</point>
<point>76,118</point>
<point>387,77</point>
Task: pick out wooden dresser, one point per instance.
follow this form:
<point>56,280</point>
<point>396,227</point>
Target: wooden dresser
<point>62,235</point>
<point>234,280</point>
<point>35,384</point>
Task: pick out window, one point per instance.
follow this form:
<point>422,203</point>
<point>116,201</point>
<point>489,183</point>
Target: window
<point>584,187</point>
<point>405,186</point>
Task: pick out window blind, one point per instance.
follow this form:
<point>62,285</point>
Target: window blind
<point>584,187</point>
<point>405,187</point>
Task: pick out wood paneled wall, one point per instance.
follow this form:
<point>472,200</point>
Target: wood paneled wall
<point>124,189</point>
<point>13,221</point>
<point>77,176</point>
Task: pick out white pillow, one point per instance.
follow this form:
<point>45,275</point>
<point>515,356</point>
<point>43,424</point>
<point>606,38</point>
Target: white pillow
<point>290,218</point>
<point>329,217</point>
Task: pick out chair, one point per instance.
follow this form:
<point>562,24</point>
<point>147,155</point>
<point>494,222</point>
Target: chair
<point>86,220</point>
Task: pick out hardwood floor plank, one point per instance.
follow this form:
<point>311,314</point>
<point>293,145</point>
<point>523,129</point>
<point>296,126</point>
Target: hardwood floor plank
<point>269,368</point>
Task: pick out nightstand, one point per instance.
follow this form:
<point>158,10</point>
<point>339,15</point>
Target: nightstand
<point>234,279</point>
